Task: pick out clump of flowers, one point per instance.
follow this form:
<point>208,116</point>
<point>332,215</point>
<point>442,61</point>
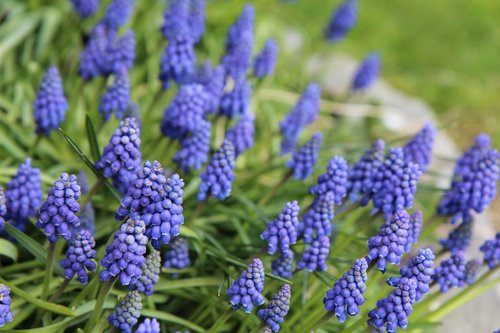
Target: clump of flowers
<point>241,135</point>
<point>343,20</point>
<point>491,250</point>
<point>80,256</point>
<point>149,326</point>
<point>85,8</point>
<point>367,72</point>
<point>5,313</point>
<point>303,160</point>
<point>282,232</point>
<point>178,62</point>
<point>246,290</point>
<point>237,101</point>
<point>150,274</point>
<point>333,180</point>
<point>314,258</point>
<point>419,148</point>
<point>283,265</point>
<point>127,312</point>
<point>277,309</point>
<point>117,97</point>
<point>451,272</point>
<point>266,60</point>
<point>194,149</point>
<point>317,221</point>
<point>177,254</point>
<point>3,209</point>
<point>460,238</point>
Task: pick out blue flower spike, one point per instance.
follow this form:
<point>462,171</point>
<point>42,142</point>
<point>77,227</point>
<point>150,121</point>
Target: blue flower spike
<point>246,290</point>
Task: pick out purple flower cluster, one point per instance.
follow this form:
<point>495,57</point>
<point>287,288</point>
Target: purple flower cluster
<point>125,256</point>
<point>302,114</point>
<point>117,97</point>
<point>419,268</point>
<point>393,311</point>
<point>177,254</point>
<point>213,80</point>
<point>175,19</point>
<point>218,177</point>
<point>123,149</point>
<point>241,135</point>
<point>117,13</point>
<point>237,101</point>
<point>80,256</point>
<point>472,156</point>
<point>367,72</point>
<point>471,269</point>
<point>149,326</point>
<point>333,180</point>
<point>50,105</point>
<point>196,19</point>
<point>303,160</point>
<point>277,308</point>
<point>5,313</point>
<point>361,174</point>
<point>491,250</point>
<point>185,113</point>
<point>194,149</point>
<point>451,272</point>
<point>246,290</point>
<point>282,232</point>
<point>58,213</point>
<point>389,245</point>
<point>178,61</point>
<point>3,209</point>
<point>265,61</point>
<point>150,274</point>
<point>85,8</point>
<point>346,296</point>
<point>472,190</point>
<point>419,148</point>
<point>317,221</point>
<point>127,312</point>
<point>394,183</point>
<point>414,229</point>
<point>283,265</point>
<point>460,238</point>
<point>24,195</point>
<point>121,54</point>
<point>87,218</point>
<point>343,20</point>
<point>314,258</point>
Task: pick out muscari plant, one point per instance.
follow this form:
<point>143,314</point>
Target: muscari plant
<point>202,206</point>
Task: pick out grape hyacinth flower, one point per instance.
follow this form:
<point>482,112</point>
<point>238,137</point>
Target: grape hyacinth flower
<point>3,209</point>
<point>123,149</point>
<point>149,326</point>
<point>146,190</point>
<point>23,195</point>
<point>87,218</point>
<point>346,296</point>
<point>414,229</point>
<point>185,113</point>
<point>317,221</point>
<point>5,313</point>
<point>304,112</point>
<point>219,175</point>
<point>117,97</point>
<point>121,54</point>
<point>124,178</point>
<point>459,239</point>
<point>282,232</point>
<point>277,308</point>
<point>83,181</point>
<point>127,312</point>
<point>237,101</point>
<point>491,250</point>
<point>451,272</point>
<point>471,157</point>
<point>117,13</point>
<point>283,265</point>
<point>343,20</point>
<point>194,149</point>
<point>389,245</point>
<point>314,258</point>
<point>265,61</point>
<point>177,254</point>
<point>473,191</point>
<point>150,274</point>
<point>94,57</point>
<point>125,256</point>
<point>246,290</point>
<point>178,61</point>
<point>58,213</point>
<point>394,183</point>
<point>303,160</point>
<point>419,148</point>
<point>213,80</point>
<point>361,174</point>
<point>393,311</point>
<point>333,180</point>
<point>419,268</point>
<point>175,19</point>
<point>367,72</point>
<point>164,218</point>
<point>471,269</point>
<point>241,135</point>
<point>50,105</point>
<point>80,256</point>
<point>196,19</point>
<point>85,8</point>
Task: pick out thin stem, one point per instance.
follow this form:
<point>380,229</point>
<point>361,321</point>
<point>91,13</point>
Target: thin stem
<point>93,190</point>
<point>219,322</point>
<point>35,145</point>
<point>320,322</point>
<point>60,291</point>
<point>91,326</point>
<point>48,270</point>
<point>198,210</point>
<point>275,189</point>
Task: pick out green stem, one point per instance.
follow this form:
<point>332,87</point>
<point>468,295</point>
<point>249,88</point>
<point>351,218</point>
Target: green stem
<point>60,291</point>
<point>48,271</point>
<point>219,322</point>
<point>104,291</point>
<point>35,145</point>
<point>93,190</point>
<point>275,189</point>
<point>320,322</point>
<point>198,210</point>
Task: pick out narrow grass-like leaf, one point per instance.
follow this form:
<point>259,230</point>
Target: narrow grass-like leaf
<point>8,249</point>
<point>170,318</point>
<point>187,283</point>
<point>94,145</point>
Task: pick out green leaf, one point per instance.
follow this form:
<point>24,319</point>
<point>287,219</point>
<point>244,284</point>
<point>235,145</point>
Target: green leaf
<point>22,29</point>
<point>31,245</point>
<point>8,249</point>
<point>56,308</point>
<point>94,145</point>
<point>170,318</point>
<point>187,283</point>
